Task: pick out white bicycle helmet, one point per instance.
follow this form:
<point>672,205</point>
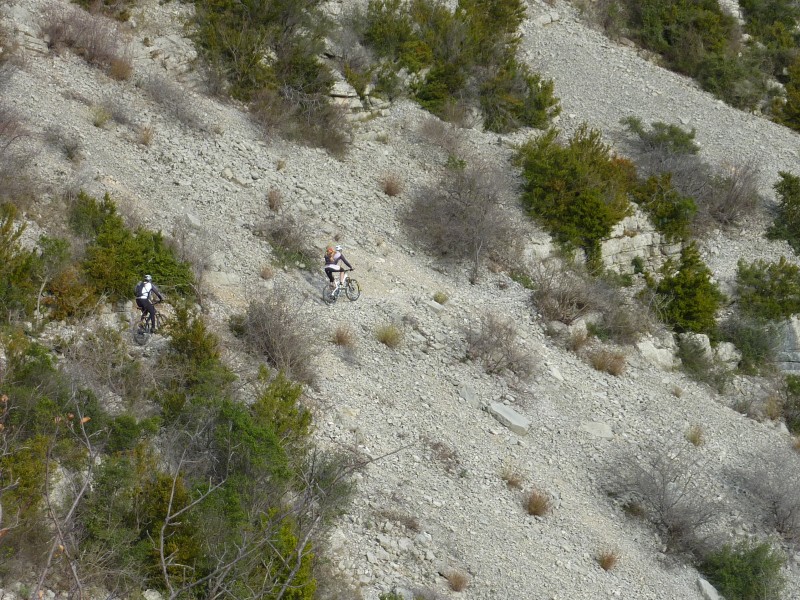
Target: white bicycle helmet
<point>148,278</point>
<point>338,248</point>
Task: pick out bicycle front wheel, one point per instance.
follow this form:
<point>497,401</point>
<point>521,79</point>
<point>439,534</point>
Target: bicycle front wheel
<point>353,290</point>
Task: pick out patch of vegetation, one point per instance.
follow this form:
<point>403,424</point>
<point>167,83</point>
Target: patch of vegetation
<point>461,58</point>
<point>746,570</point>
<point>116,257</point>
<point>389,335</point>
<point>267,54</point>
<point>787,222</point>
<point>669,211</point>
<point>756,339</point>
<point>768,290</point>
<point>662,136</point>
<point>690,299</point>
<point>578,191</point>
<point>699,365</point>
<point>697,39</point>
<point>494,343</point>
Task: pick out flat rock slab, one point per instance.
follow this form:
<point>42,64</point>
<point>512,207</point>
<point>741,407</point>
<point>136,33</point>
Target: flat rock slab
<point>510,418</point>
<point>598,430</point>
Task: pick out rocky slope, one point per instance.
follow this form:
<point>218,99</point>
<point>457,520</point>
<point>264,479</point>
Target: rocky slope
<point>436,500</point>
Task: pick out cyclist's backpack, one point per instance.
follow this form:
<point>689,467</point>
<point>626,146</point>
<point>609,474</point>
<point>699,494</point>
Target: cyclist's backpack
<point>139,289</point>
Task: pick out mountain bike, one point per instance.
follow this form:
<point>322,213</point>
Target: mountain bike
<point>350,287</point>
<point>144,328</point>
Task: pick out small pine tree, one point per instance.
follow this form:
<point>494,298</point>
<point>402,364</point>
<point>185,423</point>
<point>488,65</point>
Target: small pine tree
<point>690,298</point>
<point>787,224</point>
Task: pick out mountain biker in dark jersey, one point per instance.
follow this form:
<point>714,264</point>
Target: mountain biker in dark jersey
<point>332,258</point>
<point>143,299</point>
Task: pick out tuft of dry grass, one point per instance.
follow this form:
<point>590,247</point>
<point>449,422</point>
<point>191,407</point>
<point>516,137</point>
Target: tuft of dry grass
<point>344,336</point>
<point>513,478</point>
<point>773,408</point>
<point>389,335</point>
<point>391,184</point>
<point>146,134</point>
<point>577,341</point>
<point>440,297</point>
<point>457,579</point>
<point>695,435</point>
<point>634,509</point>
<point>280,164</point>
<point>100,116</point>
<point>120,67</point>
<point>538,503</point>
<point>676,391</point>
<point>608,361</point>
<point>796,443</point>
<point>274,199</point>
<point>267,272</point>
<point>608,559</point>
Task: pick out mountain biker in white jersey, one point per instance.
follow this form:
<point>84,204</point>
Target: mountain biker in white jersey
<point>143,299</point>
<point>332,258</point>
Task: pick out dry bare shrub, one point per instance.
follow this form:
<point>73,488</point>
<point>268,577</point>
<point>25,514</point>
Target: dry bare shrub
<point>494,342</point>
<point>274,328</point>
<point>391,184</point>
<point>169,95</point>
<point>559,293</point>
<point>577,341</point>
<point>404,519</point>
<point>308,118</point>
<point>695,435</point>
<point>796,443</point>
<point>16,182</point>
<point>457,580</point>
<point>663,483</point>
<point>462,216</point>
<point>290,239</point>
<point>775,479</point>
<point>446,136</point>
<point>274,199</point>
<point>608,361</point>
<point>444,454</point>
<point>723,196</point>
<point>607,559</point>
<point>97,39</point>
<point>193,246</point>
<point>146,135</point>
<point>280,164</point>
<point>344,336</point>
<point>118,111</point>
<point>565,293</point>
<point>538,503</point>
<point>512,476</point>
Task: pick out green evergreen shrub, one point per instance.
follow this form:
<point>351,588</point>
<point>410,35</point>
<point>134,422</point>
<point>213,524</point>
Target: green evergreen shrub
<point>662,136</point>
<point>787,222</point>
<point>670,212</point>
<point>116,257</point>
<point>579,191</point>
<point>755,338</point>
<point>471,54</point>
<point>690,299</point>
<point>19,268</point>
<point>768,290</point>
<point>746,571</point>
<point>791,403</point>
<point>698,39</point>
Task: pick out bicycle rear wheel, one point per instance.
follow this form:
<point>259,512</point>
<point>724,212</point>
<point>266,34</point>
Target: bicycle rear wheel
<point>141,333</point>
<point>328,297</point>
<point>353,290</point>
